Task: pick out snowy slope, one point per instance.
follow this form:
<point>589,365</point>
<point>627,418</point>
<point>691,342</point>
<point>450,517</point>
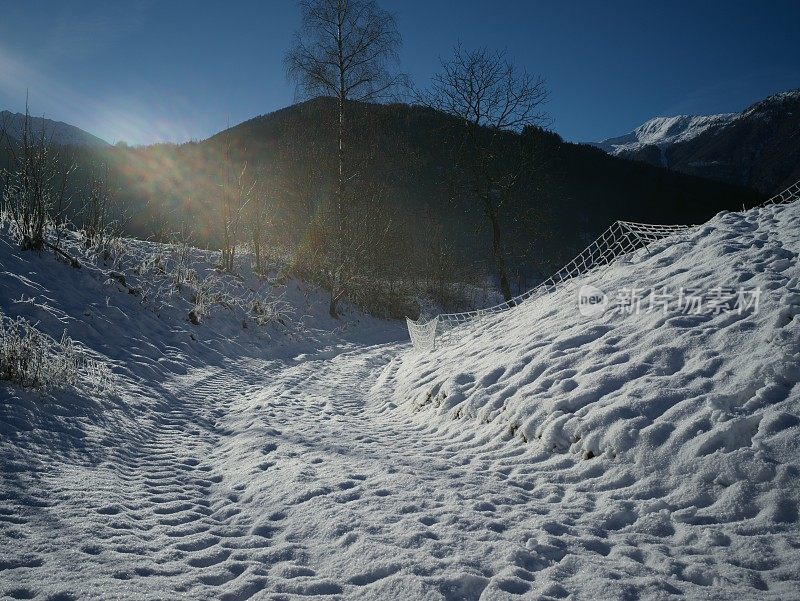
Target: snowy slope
<point>135,494</point>
<point>777,102</point>
<point>664,131</point>
<point>666,443</point>
<point>328,460</point>
<point>57,132</point>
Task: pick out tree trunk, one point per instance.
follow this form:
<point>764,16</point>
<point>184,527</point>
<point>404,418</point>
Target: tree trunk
<point>333,308</point>
<point>497,253</point>
<point>338,249</point>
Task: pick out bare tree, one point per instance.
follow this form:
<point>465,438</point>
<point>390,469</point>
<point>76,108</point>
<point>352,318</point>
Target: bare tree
<point>98,208</point>
<point>259,215</point>
<point>34,187</point>
<point>492,98</point>
<point>344,49</point>
<point>236,192</point>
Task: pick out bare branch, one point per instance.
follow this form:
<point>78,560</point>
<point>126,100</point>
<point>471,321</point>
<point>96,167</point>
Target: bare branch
<point>344,49</point>
<point>494,100</point>
<point>485,89</point>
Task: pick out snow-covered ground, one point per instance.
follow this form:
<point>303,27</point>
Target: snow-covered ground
<point>545,455</point>
<point>667,443</point>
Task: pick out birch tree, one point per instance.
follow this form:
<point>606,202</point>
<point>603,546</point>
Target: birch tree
<point>344,49</point>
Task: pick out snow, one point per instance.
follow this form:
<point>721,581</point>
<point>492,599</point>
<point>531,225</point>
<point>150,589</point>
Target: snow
<point>777,104</point>
<point>662,132</point>
<point>665,131</point>
<point>690,422</point>
<point>332,460</point>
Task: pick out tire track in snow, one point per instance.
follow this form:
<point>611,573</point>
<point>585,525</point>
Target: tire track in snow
<point>300,479</point>
<point>369,491</point>
<point>147,520</point>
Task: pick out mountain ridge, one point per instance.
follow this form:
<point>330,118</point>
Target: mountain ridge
<point>663,131</point>
<point>758,147</point>
<point>570,192</point>
<point>57,132</point>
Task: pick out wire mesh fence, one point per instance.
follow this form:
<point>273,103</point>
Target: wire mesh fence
<point>622,239</point>
<point>790,194</point>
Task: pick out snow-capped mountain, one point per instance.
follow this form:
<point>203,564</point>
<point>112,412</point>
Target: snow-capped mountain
<point>57,132</point>
<point>758,148</point>
<point>664,131</point>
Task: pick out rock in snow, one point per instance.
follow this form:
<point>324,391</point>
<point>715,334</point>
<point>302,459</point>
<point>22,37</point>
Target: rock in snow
<point>544,454</point>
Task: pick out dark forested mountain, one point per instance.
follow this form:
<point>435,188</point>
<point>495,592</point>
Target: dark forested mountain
<point>567,196</point>
<point>403,160</point>
<point>56,132</point>
<point>758,148</point>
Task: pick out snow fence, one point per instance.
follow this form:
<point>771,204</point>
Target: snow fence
<point>622,240</point>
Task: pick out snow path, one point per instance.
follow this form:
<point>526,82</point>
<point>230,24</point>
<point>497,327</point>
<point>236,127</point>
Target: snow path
<point>236,488</point>
<point>228,466</point>
<point>291,479</point>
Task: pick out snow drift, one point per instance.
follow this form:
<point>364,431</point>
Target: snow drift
<point>689,418</point>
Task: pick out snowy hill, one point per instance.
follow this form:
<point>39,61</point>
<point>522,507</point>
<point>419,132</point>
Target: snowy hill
<point>546,456</point>
<point>662,445</point>
<point>663,131</point>
<point>57,132</point>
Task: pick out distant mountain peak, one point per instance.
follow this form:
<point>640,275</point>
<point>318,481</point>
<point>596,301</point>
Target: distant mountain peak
<point>56,132</point>
<point>664,131</point>
<point>757,147</point>
<point>772,103</point>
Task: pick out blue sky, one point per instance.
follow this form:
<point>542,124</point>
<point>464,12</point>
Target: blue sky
<point>150,70</point>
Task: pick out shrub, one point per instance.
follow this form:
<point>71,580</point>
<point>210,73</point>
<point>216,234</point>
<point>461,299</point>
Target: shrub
<point>33,188</point>
<point>266,311</point>
<point>31,358</point>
